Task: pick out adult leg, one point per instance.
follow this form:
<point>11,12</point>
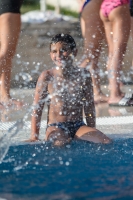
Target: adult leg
<point>92,135</point>
<point>9,32</point>
<point>93,33</point>
<point>117,37</point>
<point>132,34</point>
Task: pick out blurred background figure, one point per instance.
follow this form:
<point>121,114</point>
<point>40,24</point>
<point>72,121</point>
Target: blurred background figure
<point>9,32</point>
<point>116,18</point>
<point>93,34</point>
<point>131,13</point>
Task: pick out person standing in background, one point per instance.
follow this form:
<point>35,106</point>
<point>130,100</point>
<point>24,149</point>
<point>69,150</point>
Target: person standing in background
<point>131,13</point>
<point>93,34</point>
<point>116,18</point>
<point>10,24</point>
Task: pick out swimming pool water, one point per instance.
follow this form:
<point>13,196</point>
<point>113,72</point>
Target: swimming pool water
<point>81,170</point>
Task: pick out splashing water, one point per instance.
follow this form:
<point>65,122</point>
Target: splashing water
<point>5,141</point>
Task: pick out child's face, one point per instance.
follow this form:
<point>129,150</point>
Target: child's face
<point>61,54</point>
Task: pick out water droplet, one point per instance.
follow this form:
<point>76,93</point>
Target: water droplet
<point>67,163</point>
<point>18,56</point>
<point>61,162</point>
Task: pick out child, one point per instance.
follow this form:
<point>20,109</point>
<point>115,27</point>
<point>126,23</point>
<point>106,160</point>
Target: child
<point>67,90</point>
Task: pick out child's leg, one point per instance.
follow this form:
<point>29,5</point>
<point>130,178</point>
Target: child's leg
<point>57,136</point>
<point>92,135</point>
<point>93,33</point>
<point>117,35</point>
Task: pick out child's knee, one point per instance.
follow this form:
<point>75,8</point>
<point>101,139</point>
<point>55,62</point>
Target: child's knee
<point>53,135</point>
<point>58,138</point>
<point>107,141</point>
<point>60,142</point>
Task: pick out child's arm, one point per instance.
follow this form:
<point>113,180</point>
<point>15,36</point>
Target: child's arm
<point>89,107</point>
<point>39,100</point>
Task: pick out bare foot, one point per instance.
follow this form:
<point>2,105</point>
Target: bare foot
<point>116,99</point>
<point>12,103</point>
<point>100,98</point>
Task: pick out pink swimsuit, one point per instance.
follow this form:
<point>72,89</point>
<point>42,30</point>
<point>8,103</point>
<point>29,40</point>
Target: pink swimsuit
<point>108,5</point>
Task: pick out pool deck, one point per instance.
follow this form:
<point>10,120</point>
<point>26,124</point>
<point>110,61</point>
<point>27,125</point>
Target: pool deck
<point>117,122</point>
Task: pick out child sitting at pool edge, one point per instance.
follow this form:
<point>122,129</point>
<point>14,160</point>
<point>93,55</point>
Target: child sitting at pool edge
<point>67,90</point>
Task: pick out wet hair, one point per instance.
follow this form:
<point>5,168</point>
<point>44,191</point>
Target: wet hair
<point>66,38</point>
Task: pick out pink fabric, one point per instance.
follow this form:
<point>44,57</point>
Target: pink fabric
<point>108,5</point>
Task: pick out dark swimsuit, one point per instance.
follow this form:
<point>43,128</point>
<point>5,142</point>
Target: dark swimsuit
<point>131,8</point>
<point>69,128</point>
<point>10,6</point>
<point>85,3</point>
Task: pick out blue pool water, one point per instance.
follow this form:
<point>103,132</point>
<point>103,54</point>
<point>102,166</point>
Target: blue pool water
<point>79,171</point>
